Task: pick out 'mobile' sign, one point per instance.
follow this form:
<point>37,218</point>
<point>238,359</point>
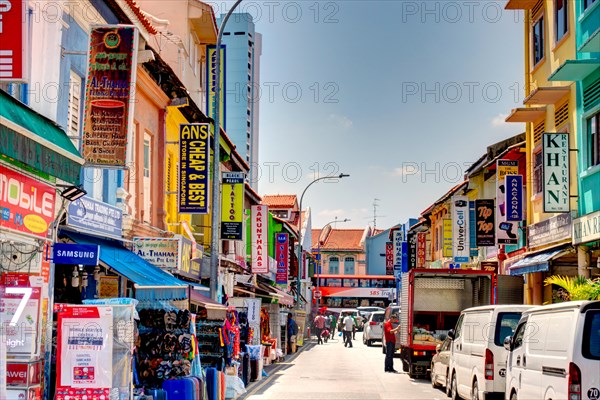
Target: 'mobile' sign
<point>81,254</point>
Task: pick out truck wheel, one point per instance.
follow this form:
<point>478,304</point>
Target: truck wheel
<point>454,389</point>
<point>475,391</point>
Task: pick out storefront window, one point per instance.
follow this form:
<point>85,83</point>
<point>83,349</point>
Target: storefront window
<point>334,265</point>
<point>538,40</point>
<point>561,18</point>
<point>349,266</point>
<point>593,124</point>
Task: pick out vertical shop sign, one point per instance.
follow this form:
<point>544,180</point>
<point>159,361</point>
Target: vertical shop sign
<point>514,197</point>
<point>281,256</point>
<point>484,222</point>
<point>461,250</point>
<point>389,258</point>
<point>13,40</point>
<point>555,151</point>
<point>412,250</point>
<point>26,205</point>
<point>108,107</point>
<point>421,247</point>
<point>506,231</point>
<point>447,238</point>
<point>84,353</point>
<point>232,205</point>
<point>215,78</point>
<point>194,156</point>
<point>260,241</point>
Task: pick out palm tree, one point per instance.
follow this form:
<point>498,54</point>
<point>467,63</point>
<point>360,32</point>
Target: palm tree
<point>575,288</point>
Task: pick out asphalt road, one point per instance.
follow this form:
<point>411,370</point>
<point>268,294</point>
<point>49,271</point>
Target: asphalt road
<point>333,372</point>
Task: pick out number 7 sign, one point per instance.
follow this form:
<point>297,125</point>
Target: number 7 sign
<point>26,292</point>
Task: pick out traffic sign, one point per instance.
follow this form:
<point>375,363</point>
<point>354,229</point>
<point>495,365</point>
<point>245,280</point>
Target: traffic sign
<point>318,294</point>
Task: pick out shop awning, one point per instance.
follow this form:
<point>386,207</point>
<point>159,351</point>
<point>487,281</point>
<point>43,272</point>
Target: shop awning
<point>530,114</point>
<point>536,263</point>
<point>592,44</point>
<point>574,70</point>
<point>151,283</point>
<point>205,301</point>
<point>547,95</point>
<point>520,4</point>
<point>37,141</point>
<point>285,299</point>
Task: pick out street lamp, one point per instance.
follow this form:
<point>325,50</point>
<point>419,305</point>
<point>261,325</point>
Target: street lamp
<point>320,260</point>
<point>216,183</point>
<point>299,252</point>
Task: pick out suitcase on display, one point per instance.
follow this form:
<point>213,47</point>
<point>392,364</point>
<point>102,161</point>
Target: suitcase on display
<point>200,387</point>
<point>212,384</point>
<point>246,368</point>
<point>157,394</point>
<point>179,389</point>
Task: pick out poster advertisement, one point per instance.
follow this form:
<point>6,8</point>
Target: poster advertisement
<point>485,234</point>
<point>232,205</point>
<point>260,239</point>
<point>194,171</point>
<point>109,287</point>
<point>461,249</point>
<point>282,257</point>
<point>84,363</point>
<point>556,187</point>
<point>506,231</point>
<point>20,309</point>
<point>26,204</point>
<point>108,111</point>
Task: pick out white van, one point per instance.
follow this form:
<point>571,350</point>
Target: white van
<point>477,364</point>
<point>555,353</point>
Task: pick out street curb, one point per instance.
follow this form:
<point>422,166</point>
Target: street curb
<point>255,388</point>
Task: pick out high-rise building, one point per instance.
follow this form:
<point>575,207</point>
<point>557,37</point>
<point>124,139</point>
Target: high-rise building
<point>242,77</point>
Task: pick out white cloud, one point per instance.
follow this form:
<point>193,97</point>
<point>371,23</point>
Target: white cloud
<point>406,170</point>
<point>499,120</point>
<point>341,121</point>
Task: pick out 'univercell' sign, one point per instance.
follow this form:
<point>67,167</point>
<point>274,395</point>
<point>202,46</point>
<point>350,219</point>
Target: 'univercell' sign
<point>460,229</point>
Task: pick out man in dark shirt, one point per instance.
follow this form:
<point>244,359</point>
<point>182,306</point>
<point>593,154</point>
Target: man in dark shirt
<point>390,342</point>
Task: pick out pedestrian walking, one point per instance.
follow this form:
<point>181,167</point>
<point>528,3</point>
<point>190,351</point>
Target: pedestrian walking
<point>292,331</point>
<point>333,319</point>
<point>319,324</point>
<point>348,325</point>
<point>390,342</point>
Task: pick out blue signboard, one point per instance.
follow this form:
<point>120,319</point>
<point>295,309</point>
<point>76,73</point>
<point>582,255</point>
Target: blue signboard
<point>404,256</point>
<point>514,197</point>
<point>95,217</point>
<point>194,156</point>
<point>81,254</point>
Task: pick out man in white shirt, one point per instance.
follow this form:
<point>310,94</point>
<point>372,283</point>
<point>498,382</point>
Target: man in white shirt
<point>348,324</point>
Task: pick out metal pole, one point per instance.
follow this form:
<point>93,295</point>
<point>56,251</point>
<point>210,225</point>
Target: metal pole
<point>299,251</point>
<point>216,184</point>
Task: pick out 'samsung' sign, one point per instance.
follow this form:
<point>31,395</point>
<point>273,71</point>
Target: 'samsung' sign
<point>556,172</point>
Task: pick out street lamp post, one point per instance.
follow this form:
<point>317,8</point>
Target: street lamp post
<point>320,260</point>
<point>299,252</point>
<point>216,183</point>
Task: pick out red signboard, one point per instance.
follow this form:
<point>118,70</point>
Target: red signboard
<point>23,374</point>
<point>282,257</point>
<point>389,258</point>
<point>12,40</point>
<point>26,205</point>
<point>421,245</point>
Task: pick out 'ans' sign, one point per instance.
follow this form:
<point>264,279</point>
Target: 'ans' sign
<point>556,172</point>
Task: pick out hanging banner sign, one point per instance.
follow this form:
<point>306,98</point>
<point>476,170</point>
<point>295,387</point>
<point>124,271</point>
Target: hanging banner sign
<point>212,76</point>
<point>421,247</point>
<point>514,197</point>
<point>109,98</point>
<point>259,216</point>
<point>80,254</point>
<point>95,217</point>
<point>26,204</point>
<point>506,231</point>
<point>389,258</point>
<point>485,234</point>
<point>84,353</point>
<point>282,257</point>
<point>460,229</point>
<point>412,251</point>
<point>555,151</point>
<point>232,205</point>
<point>447,238</point>
<point>194,157</point>
<point>13,40</point>
<point>398,238</point>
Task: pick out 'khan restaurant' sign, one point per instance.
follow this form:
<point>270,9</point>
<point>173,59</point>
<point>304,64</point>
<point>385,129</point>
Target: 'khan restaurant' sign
<point>586,228</point>
<point>194,154</point>
<point>26,204</point>
<point>108,111</point>
<point>556,172</point>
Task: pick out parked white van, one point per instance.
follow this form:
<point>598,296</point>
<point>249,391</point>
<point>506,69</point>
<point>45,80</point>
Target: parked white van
<point>477,364</point>
<point>555,353</point>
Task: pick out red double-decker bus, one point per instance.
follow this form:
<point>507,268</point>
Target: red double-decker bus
<point>351,291</point>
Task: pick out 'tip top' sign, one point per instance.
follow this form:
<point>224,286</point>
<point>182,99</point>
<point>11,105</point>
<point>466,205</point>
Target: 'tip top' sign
<point>81,254</point>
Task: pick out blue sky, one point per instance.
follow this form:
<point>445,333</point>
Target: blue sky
<point>389,90</point>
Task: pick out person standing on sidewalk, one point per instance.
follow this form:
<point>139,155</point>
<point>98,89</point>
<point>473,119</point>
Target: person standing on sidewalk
<point>292,331</point>
<point>319,324</point>
<point>348,326</point>
<point>390,342</point>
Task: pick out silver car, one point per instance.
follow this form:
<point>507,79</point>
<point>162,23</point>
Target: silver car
<point>373,328</point>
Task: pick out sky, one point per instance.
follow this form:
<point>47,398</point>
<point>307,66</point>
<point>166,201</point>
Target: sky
<point>401,95</point>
